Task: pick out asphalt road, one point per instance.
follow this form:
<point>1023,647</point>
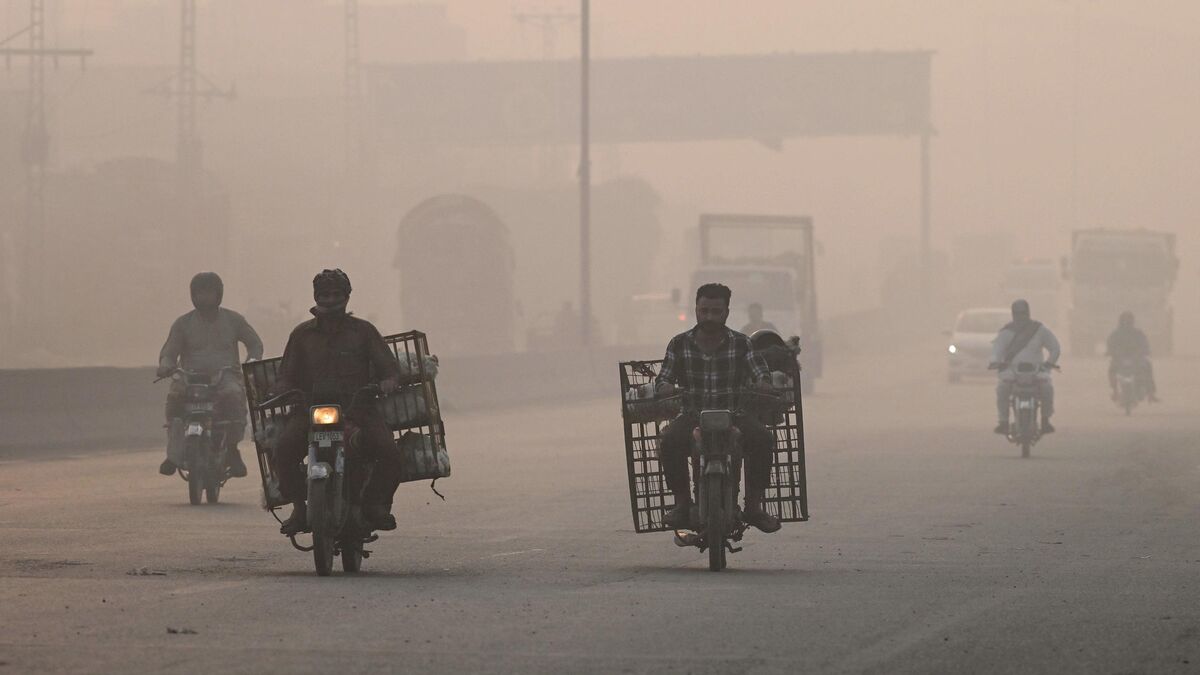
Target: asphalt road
<point>932,548</point>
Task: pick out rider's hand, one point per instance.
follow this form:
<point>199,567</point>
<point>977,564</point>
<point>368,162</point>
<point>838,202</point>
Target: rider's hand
<point>664,389</point>
<point>389,385</point>
<point>764,385</point>
<point>164,371</point>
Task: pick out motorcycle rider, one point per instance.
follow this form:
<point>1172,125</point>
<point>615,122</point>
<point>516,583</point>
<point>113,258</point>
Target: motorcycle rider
<point>206,340</point>
<point>332,356</point>
<point>1023,341</point>
<point>1129,342</point>
<point>755,313</point>
<point>712,362</point>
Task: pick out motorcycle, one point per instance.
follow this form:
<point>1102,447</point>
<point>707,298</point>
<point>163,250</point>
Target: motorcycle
<point>336,521</point>
<point>716,459</point>
<point>205,463</point>
<point>1024,404</point>
<point>1130,390</point>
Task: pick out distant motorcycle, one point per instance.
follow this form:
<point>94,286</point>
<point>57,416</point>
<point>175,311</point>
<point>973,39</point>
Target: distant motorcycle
<point>205,465</point>
<point>1024,405</point>
<point>337,524</point>
<point>1130,390</point>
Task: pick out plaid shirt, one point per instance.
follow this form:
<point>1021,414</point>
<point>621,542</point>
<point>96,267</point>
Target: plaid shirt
<point>711,381</point>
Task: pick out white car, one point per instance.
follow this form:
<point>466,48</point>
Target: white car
<point>970,348</point>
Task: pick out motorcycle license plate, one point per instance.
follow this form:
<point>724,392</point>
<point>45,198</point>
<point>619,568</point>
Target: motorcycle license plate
<point>195,430</point>
<point>1024,405</point>
<point>326,438</point>
<point>200,406</point>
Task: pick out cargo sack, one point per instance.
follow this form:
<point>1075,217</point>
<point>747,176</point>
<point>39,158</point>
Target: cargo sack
<point>411,366</point>
<point>422,457</point>
<point>642,406</point>
<point>406,408</point>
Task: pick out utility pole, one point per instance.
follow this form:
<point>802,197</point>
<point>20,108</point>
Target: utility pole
<point>353,96</point>
<point>188,86</point>
<point>35,152</point>
<point>585,181</point>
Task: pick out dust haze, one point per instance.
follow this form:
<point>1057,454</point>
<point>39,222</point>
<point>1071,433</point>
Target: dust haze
<point>1046,118</point>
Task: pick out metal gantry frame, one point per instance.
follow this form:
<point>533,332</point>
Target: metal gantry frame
<point>35,153</point>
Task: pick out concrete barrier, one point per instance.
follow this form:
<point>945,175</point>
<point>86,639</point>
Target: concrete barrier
<point>105,408</point>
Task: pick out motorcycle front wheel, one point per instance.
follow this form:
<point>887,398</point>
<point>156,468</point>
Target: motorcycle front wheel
<point>322,534</point>
<point>352,557</point>
<point>714,521</point>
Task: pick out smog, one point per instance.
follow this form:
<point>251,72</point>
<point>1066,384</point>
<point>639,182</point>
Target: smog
<point>586,301</point>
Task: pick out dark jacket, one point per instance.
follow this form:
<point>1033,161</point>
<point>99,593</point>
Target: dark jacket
<point>209,344</point>
<point>332,358</point>
<point>1128,343</point>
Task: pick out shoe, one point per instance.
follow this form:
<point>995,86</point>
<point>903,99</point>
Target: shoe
<point>1001,428</point>
<point>237,468</point>
<point>761,520</point>
<point>679,517</point>
<point>167,468</point>
<point>1047,428</point>
<point>378,517</point>
<point>297,523</point>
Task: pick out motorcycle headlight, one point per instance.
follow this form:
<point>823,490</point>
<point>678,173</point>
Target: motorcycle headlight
<point>953,349</point>
<point>330,414</point>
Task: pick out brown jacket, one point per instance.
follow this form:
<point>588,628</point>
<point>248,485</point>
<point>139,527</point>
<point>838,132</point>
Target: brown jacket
<point>332,358</point>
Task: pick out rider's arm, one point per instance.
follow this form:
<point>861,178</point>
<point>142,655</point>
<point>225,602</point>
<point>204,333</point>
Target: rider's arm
<point>1000,345</point>
<point>247,336</point>
<point>667,374</point>
<point>168,356</point>
<point>756,365</point>
<point>1143,344</point>
<point>383,361</point>
<point>1052,346</point>
<point>287,376</point>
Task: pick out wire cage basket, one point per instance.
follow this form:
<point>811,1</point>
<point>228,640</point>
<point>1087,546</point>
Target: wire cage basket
<point>645,418</point>
<point>411,412</point>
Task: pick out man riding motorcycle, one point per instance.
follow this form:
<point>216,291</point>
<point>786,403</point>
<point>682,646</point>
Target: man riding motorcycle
<point>1129,342</point>
<point>1022,341</point>
<point>711,363</point>
<point>205,340</point>
<point>331,357</point>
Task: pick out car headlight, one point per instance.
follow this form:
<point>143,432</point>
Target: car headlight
<point>953,349</point>
<point>330,414</point>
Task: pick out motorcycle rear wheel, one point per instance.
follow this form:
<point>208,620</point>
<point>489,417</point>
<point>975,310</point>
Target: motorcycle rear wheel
<point>714,521</point>
<point>322,536</point>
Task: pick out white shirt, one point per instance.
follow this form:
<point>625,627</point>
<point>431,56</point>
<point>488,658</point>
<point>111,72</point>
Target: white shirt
<point>1043,340</point>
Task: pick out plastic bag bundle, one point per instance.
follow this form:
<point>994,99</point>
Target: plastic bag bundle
<point>410,366</point>
<point>423,457</point>
<point>406,408</point>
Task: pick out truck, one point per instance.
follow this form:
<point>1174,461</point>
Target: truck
<point>1111,271</point>
<point>767,260</point>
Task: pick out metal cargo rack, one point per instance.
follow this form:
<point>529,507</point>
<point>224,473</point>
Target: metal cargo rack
<point>412,409</point>
<point>645,419</point>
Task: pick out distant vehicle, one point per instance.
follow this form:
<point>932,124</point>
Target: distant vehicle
<point>654,318</point>
<point>1112,271</point>
<point>769,260</point>
<point>970,348</point>
<point>1037,281</point>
